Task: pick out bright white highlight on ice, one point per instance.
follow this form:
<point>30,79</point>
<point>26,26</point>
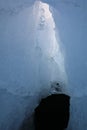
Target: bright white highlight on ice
<point>45,9</point>
<point>47,43</point>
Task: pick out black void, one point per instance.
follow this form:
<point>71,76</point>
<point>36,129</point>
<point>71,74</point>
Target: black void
<point>52,113</point>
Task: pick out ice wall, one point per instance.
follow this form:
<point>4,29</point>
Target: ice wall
<point>31,53</point>
<point>70,18</point>
<point>30,60</point>
<point>17,32</point>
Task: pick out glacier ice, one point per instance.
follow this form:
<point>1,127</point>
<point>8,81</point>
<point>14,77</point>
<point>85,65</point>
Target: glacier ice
<point>30,61</point>
<point>31,53</point>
